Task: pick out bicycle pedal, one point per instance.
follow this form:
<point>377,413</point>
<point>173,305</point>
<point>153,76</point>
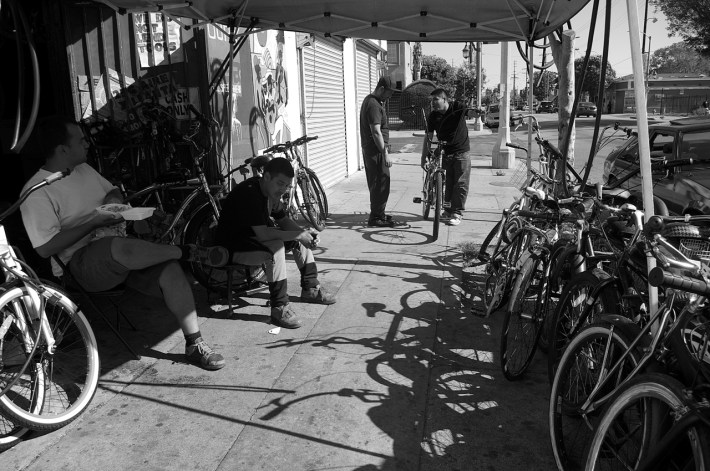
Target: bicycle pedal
<point>417,199</point>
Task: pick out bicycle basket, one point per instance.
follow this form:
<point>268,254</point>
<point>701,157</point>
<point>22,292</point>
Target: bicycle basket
<point>519,179</point>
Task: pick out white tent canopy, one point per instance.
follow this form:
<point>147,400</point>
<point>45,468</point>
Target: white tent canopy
<point>393,20</point>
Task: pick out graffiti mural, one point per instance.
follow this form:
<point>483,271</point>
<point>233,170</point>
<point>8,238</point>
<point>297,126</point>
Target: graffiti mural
<point>267,119</point>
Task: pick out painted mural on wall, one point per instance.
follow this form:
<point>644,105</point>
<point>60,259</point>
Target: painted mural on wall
<point>268,117</point>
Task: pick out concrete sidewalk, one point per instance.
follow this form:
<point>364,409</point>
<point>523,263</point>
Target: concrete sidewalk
<point>398,375</point>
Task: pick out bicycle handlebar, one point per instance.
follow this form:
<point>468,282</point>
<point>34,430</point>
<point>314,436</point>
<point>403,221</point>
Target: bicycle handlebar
<point>659,277</point>
<point>47,181</point>
<point>284,146</point>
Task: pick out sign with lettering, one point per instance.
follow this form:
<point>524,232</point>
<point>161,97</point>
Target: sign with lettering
<point>157,37</point>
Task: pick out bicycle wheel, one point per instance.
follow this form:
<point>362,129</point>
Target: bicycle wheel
<point>10,434</point>
<point>66,378</point>
<point>573,302</point>
<point>308,202</point>
<point>319,192</point>
<point>427,195</point>
<point>438,200</point>
<point>643,411</point>
<point>521,325</point>
<point>200,230</point>
<point>500,272</point>
<point>589,356</point>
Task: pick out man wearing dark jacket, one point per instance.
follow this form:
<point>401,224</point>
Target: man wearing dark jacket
<point>449,122</point>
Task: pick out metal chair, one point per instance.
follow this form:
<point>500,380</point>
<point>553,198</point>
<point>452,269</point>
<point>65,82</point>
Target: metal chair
<point>69,283</point>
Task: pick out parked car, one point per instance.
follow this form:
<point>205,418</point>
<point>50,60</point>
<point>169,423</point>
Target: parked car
<point>684,190</point>
<point>585,108</point>
<point>493,116</point>
<point>546,107</point>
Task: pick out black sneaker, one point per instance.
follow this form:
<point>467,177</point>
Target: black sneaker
<point>201,354</point>
<point>283,316</point>
<point>379,222</point>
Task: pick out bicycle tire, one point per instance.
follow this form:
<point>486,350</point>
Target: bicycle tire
<point>570,307</point>
<point>201,230</point>
<point>426,195</point>
<point>642,412</point>
<point>438,200</point>
<point>311,208</point>
<point>576,376</point>
<point>559,273</point>
<point>521,330</point>
<point>500,273</point>
<point>319,191</point>
<point>70,374</point>
<point>10,434</point>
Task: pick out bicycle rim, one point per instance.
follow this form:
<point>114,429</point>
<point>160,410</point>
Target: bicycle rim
<point>522,326</point>
<point>570,310</point>
<point>643,412</point>
<point>64,381</point>
<point>319,192</point>
<point>572,429</point>
<point>438,200</point>
<point>426,195</point>
<point>310,207</point>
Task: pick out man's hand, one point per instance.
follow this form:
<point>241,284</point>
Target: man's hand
<point>388,160</point>
<point>103,219</point>
<point>308,239</point>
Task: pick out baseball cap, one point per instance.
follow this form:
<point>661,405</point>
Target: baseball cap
<point>386,82</point>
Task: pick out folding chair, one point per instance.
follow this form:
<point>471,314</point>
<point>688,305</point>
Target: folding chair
<point>71,284</point>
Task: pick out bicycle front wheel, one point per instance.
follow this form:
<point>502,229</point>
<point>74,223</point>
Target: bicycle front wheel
<point>64,380</point>
<point>426,195</point>
<point>438,200</point>
<point>588,358</point>
<point>522,324</point>
<point>201,230</point>
<point>310,202</point>
<point>643,412</point>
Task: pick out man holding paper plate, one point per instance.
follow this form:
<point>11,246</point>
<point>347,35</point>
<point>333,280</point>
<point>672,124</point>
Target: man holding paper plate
<point>78,219</point>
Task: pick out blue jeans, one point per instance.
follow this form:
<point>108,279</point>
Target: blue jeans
<point>458,175</point>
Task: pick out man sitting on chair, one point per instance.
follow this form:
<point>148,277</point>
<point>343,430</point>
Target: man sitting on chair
<point>61,218</point>
<point>255,226</point>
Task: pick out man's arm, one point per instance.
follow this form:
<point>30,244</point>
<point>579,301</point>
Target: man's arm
<point>380,142</point>
<point>287,230</point>
<point>68,237</point>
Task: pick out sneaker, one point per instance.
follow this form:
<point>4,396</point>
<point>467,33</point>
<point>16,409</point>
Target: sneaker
<point>317,295</point>
<point>283,316</point>
<point>455,220</point>
<point>201,354</point>
<point>445,216</point>
<point>379,222</point>
<point>215,256</point>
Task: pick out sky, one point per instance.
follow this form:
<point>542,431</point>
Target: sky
<point>619,46</point>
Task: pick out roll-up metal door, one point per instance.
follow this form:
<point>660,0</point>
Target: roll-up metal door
<point>324,109</point>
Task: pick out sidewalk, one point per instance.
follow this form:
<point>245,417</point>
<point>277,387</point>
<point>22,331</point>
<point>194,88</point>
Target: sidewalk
<point>398,375</point>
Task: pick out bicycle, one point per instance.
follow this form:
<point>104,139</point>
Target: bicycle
<point>50,362</point>
<point>307,195</point>
<point>607,353</point>
<point>433,187</point>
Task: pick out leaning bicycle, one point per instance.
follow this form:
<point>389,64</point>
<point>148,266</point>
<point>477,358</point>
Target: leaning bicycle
<point>433,186</point>
<point>49,356</point>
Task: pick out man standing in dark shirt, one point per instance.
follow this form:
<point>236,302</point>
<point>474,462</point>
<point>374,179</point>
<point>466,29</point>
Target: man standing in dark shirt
<point>449,122</point>
<point>374,136</point>
<point>255,227</point>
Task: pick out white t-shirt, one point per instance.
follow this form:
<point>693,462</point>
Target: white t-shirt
<point>64,204</point>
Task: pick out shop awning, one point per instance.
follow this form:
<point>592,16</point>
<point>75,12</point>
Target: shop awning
<point>394,20</point>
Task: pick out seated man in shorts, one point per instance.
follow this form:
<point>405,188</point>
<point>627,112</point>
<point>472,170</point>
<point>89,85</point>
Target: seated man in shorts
<point>255,227</point>
<point>61,218</point>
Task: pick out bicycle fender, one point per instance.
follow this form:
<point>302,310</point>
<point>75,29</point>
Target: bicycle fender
<point>626,326</point>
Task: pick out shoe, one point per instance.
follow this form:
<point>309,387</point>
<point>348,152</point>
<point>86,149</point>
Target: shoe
<point>445,216</point>
<point>215,256</point>
<point>379,222</point>
<point>283,316</point>
<point>202,354</point>
<point>455,220</point>
<point>317,295</point>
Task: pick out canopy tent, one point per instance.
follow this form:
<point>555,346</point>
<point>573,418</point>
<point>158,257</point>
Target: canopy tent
<point>400,20</point>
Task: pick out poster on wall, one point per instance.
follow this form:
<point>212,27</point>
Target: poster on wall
<point>157,37</point>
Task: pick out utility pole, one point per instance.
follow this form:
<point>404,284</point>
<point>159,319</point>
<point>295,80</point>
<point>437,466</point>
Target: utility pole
<point>515,66</point>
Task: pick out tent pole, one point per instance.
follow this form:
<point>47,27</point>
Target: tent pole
<point>531,85</point>
<point>230,100</point>
<point>642,120</point>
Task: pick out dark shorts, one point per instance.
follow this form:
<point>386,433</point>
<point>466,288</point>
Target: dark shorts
<point>95,269</point>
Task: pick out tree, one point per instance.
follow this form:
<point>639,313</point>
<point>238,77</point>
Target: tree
<point>440,72</point>
<point>689,19</point>
<point>543,89</point>
<point>679,58</point>
<point>591,78</point>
